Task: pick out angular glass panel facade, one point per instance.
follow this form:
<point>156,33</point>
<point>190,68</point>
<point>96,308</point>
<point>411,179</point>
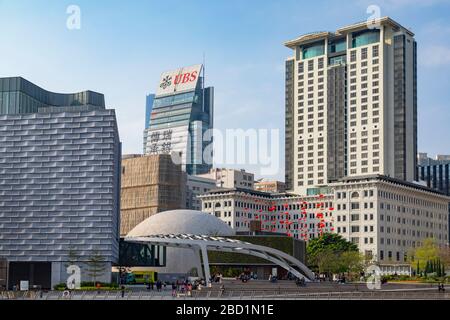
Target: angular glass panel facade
<point>60,181</point>
<point>313,50</point>
<point>337,45</point>
<point>178,123</point>
<point>18,96</point>
<point>148,109</point>
<point>365,37</point>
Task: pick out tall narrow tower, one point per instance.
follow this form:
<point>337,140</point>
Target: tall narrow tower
<point>351,105</point>
<point>182,112</point>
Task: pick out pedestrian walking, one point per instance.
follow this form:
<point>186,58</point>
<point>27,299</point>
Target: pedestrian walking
<point>174,289</point>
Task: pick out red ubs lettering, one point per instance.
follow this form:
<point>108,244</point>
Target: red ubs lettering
<point>186,77</point>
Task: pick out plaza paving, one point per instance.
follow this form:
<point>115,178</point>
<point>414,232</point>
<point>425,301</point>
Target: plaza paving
<point>254,290</point>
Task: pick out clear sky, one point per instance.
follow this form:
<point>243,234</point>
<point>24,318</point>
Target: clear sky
<point>123,46</point>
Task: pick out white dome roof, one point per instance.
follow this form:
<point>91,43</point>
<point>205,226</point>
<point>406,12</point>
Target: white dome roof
<point>182,222</point>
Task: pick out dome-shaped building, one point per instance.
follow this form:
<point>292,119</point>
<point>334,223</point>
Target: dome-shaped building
<point>181,261</point>
<point>182,222</point>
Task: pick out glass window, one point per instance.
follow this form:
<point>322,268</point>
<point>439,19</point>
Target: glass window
<point>365,37</point>
<point>313,50</point>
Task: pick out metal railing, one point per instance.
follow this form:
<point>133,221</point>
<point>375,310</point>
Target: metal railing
<point>224,295</point>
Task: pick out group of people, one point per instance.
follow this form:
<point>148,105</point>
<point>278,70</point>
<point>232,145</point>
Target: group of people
<point>217,278</point>
<point>159,285</point>
<point>245,276</point>
<point>183,287</point>
<point>300,282</point>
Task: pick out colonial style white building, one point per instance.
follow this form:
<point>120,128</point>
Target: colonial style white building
<point>384,216</point>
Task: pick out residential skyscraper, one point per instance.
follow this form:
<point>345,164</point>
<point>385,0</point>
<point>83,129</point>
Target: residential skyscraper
<point>182,112</point>
<point>351,105</point>
<point>59,183</point>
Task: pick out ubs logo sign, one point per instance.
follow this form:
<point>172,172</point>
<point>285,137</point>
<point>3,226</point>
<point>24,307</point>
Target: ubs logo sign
<point>166,82</point>
<point>186,77</point>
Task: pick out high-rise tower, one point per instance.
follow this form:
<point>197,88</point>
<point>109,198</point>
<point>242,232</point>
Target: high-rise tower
<point>351,105</point>
<point>182,112</point>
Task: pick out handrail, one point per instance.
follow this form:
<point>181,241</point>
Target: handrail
<point>252,294</point>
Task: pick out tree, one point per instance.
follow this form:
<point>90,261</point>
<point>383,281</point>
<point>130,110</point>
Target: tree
<point>329,241</point>
<point>444,255</point>
<point>73,256</point>
<point>326,261</point>
<point>352,262</point>
<point>421,256</point>
<point>95,265</point>
<point>331,253</point>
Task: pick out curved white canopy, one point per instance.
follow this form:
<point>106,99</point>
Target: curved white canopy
<point>212,243</point>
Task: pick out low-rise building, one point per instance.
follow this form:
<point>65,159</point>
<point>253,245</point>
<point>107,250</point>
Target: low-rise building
<point>247,211</point>
<point>270,186</point>
<point>384,216</point>
<point>196,186</point>
<point>150,184</point>
<point>230,178</point>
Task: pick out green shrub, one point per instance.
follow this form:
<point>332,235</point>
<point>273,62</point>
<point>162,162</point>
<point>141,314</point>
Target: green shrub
<point>89,285</point>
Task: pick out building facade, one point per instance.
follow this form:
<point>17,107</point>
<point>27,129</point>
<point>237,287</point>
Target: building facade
<point>270,186</point>
<point>182,113</point>
<point>351,105</point>
<point>387,217</point>
<point>436,175</point>
<point>231,178</point>
<point>59,183</point>
<point>148,114</point>
<point>196,186</point>
<point>300,217</point>
<point>384,216</point>
<point>423,159</point>
<point>150,184</point>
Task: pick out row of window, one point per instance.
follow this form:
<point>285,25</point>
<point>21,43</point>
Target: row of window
<point>355,194</point>
<point>411,200</point>
<point>364,53</point>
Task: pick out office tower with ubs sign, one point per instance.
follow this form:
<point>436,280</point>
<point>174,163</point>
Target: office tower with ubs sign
<point>182,112</point>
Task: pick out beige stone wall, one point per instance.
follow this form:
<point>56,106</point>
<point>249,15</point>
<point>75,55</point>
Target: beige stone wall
<point>150,184</point>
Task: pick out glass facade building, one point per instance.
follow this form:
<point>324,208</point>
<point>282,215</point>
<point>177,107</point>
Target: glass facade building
<point>19,96</point>
<point>148,113</point>
<point>148,109</point>
<point>436,175</point>
<point>178,123</point>
<point>59,183</point>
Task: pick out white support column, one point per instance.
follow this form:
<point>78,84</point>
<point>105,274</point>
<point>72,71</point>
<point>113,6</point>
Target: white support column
<point>196,252</point>
<point>206,264</point>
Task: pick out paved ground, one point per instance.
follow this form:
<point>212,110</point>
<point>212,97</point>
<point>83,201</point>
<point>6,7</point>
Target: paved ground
<point>258,290</point>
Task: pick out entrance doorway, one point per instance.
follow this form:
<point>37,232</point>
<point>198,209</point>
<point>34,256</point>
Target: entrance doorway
<point>37,273</point>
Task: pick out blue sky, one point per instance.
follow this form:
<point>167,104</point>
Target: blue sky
<point>123,46</point>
